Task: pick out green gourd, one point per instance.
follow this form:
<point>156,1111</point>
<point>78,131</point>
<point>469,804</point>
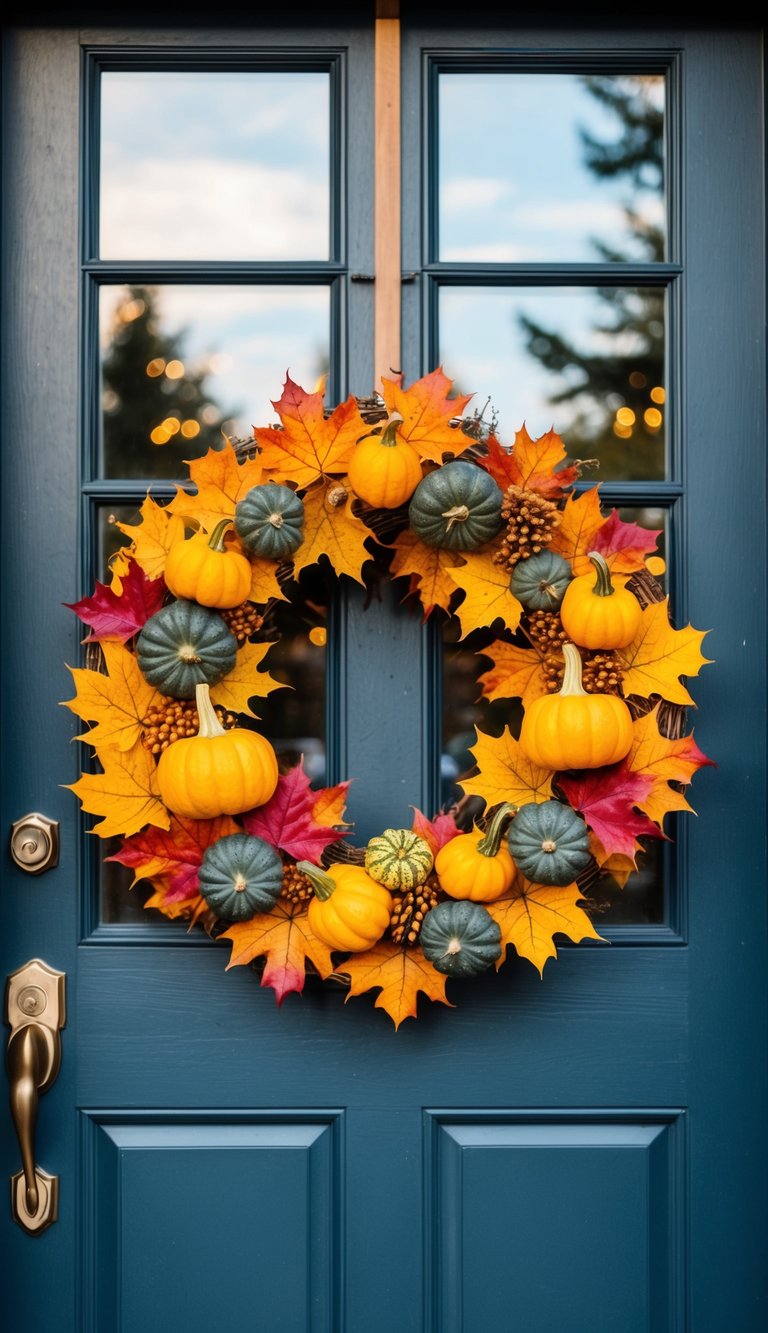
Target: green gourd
<point>398,858</point>
<point>549,842</point>
<point>458,506</point>
<point>240,875</point>
<point>460,938</point>
<point>269,520</point>
<point>184,645</point>
<point>540,581</point>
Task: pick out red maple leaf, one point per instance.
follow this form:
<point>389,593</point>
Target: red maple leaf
<point>119,618</point>
<point>175,854</point>
<point>287,820</point>
<point>607,798</point>
<point>435,831</point>
<point>624,545</point>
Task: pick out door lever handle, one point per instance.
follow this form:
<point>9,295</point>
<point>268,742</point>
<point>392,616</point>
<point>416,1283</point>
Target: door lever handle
<point>35,1011</point>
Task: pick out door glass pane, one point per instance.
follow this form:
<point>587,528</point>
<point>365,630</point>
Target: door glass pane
<point>551,167</point>
<point>292,715</point>
<point>181,365</point>
<point>467,710</point>
<point>215,165</point>
<point>587,362</point>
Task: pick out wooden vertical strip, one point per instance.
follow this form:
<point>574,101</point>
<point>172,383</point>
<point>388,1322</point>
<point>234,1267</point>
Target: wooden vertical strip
<point>387,197</point>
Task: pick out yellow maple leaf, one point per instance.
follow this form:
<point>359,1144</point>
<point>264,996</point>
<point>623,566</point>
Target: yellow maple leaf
<point>153,538</point>
<point>658,655</point>
<point>221,481</point>
<point>575,533</point>
<point>119,565</point>
<point>117,702</point>
<point>533,914</point>
<point>427,412</point>
<point>664,761</point>
<point>264,583</point>
<point>245,681</point>
<point>515,673</point>
<point>309,445</point>
<point>177,909</point>
<point>333,531</point>
<point>429,569</point>
<point>505,773</point>
<point>125,794</point>
<point>399,974</point>
<point>487,595</point>
<point>284,938</point>
<point>618,865</point>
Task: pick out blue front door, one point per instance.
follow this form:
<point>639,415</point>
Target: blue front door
<point>582,1151</point>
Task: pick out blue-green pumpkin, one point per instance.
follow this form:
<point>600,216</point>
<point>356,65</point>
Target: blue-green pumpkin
<point>184,645</point>
<point>240,875</point>
<point>540,581</point>
<point>269,520</point>
<point>549,842</point>
<point>458,506</point>
<point>460,938</point>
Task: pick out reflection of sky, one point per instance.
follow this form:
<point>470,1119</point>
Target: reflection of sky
<point>246,337</point>
<point>513,184</point>
<point>215,166</point>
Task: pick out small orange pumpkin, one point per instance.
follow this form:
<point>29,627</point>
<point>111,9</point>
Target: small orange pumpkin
<point>600,613</point>
<point>350,911</point>
<point>216,772</point>
<point>573,729</point>
<point>477,865</point>
<point>202,570</point>
<point>385,470</point>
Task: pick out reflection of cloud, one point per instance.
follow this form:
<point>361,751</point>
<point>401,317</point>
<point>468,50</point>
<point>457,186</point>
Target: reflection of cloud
<point>210,209</point>
<point>473,194</point>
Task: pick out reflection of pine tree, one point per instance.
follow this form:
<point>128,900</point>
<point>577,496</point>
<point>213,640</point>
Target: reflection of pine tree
<point>145,383</point>
<point>630,361</point>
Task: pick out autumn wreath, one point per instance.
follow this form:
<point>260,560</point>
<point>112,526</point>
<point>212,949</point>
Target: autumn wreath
<point>576,634</point>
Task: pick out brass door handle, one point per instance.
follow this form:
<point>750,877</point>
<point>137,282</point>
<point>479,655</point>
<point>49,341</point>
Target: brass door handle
<point>35,1011</point>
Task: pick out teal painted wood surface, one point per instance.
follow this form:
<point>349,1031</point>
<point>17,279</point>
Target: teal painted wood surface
<point>582,1152</point>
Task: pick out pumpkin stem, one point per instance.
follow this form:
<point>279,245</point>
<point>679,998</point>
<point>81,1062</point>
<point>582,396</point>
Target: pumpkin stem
<point>603,586</point>
<point>572,678</point>
<point>216,539</point>
<point>321,882</point>
<point>491,840</point>
<point>209,722</point>
<point>459,514</point>
<point>388,436</point>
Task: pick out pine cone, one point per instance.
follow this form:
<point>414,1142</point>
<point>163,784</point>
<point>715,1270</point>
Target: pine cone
<point>297,887</point>
<point>243,621</point>
<point>531,521</point>
<point>410,909</point>
<point>601,672</point>
<point>174,720</point>
<point>545,629</point>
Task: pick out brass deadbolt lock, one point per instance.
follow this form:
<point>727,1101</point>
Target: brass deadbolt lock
<point>35,843</point>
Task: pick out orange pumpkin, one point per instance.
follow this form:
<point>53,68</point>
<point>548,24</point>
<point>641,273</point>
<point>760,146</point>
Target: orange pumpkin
<point>216,772</point>
<point>202,570</point>
<point>477,865</point>
<point>385,469</point>
<point>350,911</point>
<point>573,729</point>
<point>600,613</point>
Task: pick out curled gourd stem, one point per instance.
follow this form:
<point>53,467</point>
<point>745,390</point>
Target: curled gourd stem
<point>322,883</point>
<point>459,514</point>
<point>491,841</point>
<point>216,539</point>
<point>572,677</point>
<point>209,722</point>
<point>388,436</point>
<point>603,586</point>
<point>275,519</point>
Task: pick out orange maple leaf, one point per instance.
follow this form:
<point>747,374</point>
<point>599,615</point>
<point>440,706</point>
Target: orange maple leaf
<point>330,804</point>
<point>427,412</point>
<point>245,682</point>
<point>574,536</point>
<point>125,794</point>
<point>284,938</point>
<point>153,538</point>
<point>664,761</point>
<point>429,569</point>
<point>264,582</point>
<point>659,655</point>
<point>532,914</point>
<point>399,974</point>
<point>309,445</point>
<point>116,701</point>
<point>221,481</point>
<point>515,673</point>
<point>618,866</point>
<point>172,857</point>
<point>505,773</point>
<point>534,465</point>
<point>333,531</point>
<point>487,596</point>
